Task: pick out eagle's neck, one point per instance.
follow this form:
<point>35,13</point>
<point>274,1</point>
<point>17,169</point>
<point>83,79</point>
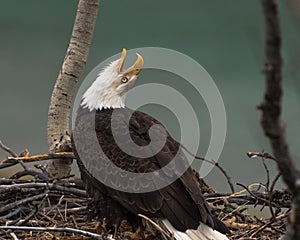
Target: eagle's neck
<point>102,93</point>
<point>94,99</point>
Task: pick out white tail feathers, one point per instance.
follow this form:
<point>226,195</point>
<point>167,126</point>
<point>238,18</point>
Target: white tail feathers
<point>203,232</point>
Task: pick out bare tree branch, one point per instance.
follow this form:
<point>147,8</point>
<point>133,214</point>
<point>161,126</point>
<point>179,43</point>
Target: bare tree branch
<point>40,157</point>
<point>7,149</point>
<point>260,154</point>
<point>213,162</point>
<point>64,89</point>
<point>273,126</point>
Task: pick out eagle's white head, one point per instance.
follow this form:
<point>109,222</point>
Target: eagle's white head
<point>113,82</point>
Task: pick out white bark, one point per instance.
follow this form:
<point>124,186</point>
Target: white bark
<point>64,89</point>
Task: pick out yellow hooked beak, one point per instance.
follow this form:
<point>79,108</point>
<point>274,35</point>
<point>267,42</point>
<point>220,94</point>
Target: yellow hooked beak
<point>136,68</point>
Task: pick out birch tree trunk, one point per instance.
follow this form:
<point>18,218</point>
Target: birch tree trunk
<point>65,86</point>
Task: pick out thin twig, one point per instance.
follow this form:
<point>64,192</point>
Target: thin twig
<point>213,162</point>
<point>53,229</point>
<point>260,154</point>
<point>267,185</point>
<point>29,172</point>
<point>155,225</point>
<point>275,181</point>
<point>271,194</point>
<point>268,224</point>
<point>255,196</point>
<point>7,149</point>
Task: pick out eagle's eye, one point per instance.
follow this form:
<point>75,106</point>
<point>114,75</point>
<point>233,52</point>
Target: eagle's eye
<point>125,79</point>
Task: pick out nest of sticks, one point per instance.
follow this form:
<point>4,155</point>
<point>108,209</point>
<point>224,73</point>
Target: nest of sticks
<point>39,207</point>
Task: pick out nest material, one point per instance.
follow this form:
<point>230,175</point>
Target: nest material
<point>62,206</point>
<point>45,208</point>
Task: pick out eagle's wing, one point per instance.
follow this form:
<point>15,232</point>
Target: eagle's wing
<point>180,200</point>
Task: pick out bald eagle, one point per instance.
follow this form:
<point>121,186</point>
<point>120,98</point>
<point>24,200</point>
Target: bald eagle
<point>113,169</point>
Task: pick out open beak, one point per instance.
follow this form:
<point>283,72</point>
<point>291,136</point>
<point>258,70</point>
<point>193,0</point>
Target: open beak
<point>135,69</point>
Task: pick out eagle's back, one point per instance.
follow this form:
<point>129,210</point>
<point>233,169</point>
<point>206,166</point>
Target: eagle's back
<point>181,202</point>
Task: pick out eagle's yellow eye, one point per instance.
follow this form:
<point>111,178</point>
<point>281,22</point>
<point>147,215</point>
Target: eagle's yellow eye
<point>125,79</point>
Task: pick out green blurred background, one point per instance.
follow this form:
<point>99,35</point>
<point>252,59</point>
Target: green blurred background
<point>225,37</point>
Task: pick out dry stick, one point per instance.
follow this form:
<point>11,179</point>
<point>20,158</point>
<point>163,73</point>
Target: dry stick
<point>22,201</point>
<point>268,188</point>
<point>267,172</point>
<point>43,215</point>
<point>74,221</point>
<point>6,165</point>
<point>260,154</point>
<point>13,236</point>
<point>268,224</point>
<point>55,206</point>
<point>242,199</point>
<point>53,229</point>
<point>39,157</point>
<point>265,155</point>
<point>213,163</point>
<point>155,225</point>
<point>271,194</point>
<point>74,210</point>
<point>66,83</point>
<point>29,172</point>
<point>11,161</point>
<point>274,181</point>
<point>18,222</point>
<point>7,149</point>
<point>7,216</point>
<point>75,191</point>
<point>272,125</point>
<point>258,198</point>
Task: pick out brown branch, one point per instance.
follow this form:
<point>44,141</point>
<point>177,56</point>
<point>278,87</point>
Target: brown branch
<point>260,154</point>
<point>66,83</point>
<point>273,126</point>
<point>40,157</point>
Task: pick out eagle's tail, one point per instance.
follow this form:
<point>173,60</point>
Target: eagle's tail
<point>203,232</point>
